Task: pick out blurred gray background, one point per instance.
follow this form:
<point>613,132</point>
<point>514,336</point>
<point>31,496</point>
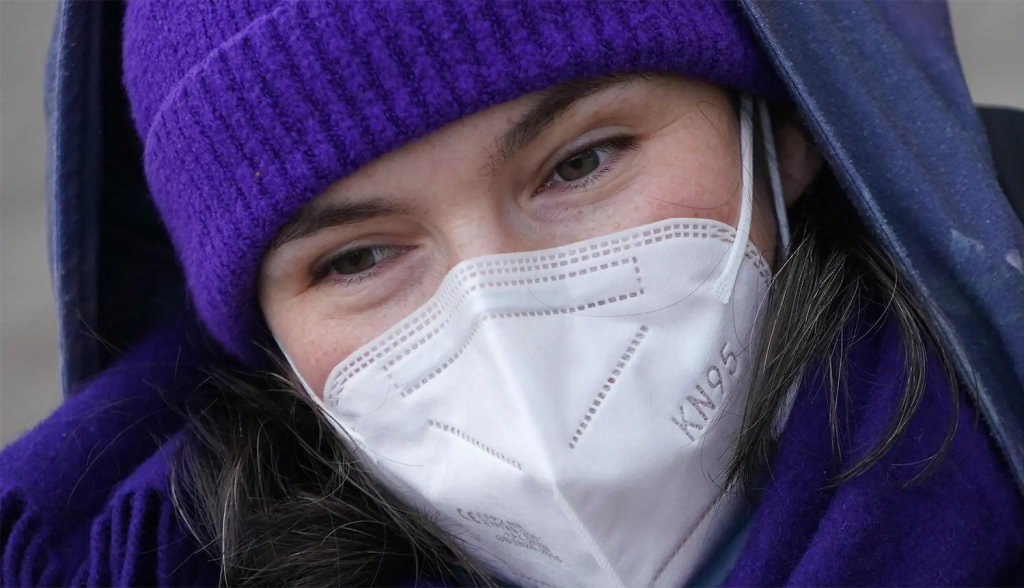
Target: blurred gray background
<point>988,32</point>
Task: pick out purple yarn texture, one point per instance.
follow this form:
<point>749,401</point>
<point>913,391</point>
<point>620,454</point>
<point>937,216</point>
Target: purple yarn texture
<point>248,110</point>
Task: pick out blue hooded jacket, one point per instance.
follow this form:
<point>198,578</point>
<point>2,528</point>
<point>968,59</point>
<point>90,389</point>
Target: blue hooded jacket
<point>880,87</point>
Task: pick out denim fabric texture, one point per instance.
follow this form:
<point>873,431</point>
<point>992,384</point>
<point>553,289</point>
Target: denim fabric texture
<point>890,109</point>
<point>72,105</point>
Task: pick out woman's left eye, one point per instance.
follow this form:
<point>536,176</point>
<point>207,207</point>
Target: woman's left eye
<point>586,164</point>
<point>579,166</point>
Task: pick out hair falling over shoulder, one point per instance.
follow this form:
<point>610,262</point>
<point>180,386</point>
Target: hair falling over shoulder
<point>275,496</point>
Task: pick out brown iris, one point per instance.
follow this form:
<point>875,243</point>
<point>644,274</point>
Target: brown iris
<point>355,262</point>
<point>578,166</point>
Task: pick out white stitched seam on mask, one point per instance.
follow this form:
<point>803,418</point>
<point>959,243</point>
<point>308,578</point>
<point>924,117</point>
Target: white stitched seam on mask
<point>337,385</point>
<point>606,388</point>
<point>442,309</point>
<point>473,441</point>
<point>578,308</point>
<point>453,308</point>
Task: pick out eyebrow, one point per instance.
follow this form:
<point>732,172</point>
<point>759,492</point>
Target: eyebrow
<point>553,103</point>
<point>318,216</point>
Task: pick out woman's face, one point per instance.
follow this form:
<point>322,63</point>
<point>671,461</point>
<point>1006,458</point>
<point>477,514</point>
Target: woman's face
<point>552,168</point>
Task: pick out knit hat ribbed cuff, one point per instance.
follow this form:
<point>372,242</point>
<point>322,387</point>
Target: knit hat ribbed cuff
<point>309,91</point>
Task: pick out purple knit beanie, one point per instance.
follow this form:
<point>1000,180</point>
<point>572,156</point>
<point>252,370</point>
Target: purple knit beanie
<point>248,109</point>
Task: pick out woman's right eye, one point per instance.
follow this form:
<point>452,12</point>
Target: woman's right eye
<point>363,260</point>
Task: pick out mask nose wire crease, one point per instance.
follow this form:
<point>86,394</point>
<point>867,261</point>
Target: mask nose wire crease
<point>727,281</point>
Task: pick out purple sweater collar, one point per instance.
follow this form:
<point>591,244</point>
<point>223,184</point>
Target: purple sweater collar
<point>961,525</point>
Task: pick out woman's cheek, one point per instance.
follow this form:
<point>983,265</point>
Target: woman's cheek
<point>313,347</point>
<point>331,332</point>
<point>674,186</point>
<point>656,196</point>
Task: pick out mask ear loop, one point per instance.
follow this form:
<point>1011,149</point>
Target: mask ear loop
<point>727,281</point>
<point>773,176</point>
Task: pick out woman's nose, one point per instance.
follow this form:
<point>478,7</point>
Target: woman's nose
<point>490,234</point>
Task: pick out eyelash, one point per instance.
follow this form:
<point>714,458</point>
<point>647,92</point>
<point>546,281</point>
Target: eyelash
<point>614,146</point>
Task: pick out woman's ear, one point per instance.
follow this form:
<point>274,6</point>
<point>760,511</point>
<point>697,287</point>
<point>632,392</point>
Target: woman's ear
<point>799,160</point>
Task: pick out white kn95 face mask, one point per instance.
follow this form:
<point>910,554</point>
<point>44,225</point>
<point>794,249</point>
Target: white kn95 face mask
<point>568,414</point>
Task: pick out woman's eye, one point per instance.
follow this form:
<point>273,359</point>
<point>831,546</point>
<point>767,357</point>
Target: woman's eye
<point>358,261</point>
<point>587,165</point>
<point>580,165</point>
